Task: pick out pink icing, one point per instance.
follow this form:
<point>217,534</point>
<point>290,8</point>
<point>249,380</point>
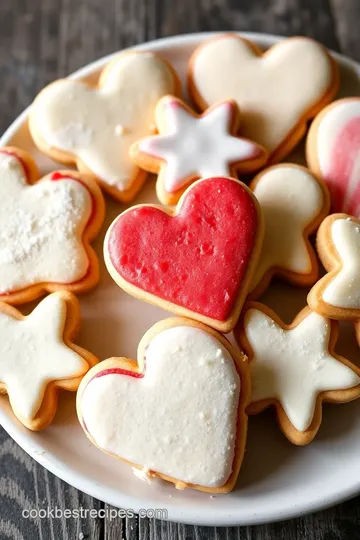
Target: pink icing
<point>344,163</point>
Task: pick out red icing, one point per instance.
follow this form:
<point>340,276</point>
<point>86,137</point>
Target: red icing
<point>57,176</point>
<point>345,162</point>
<point>21,161</point>
<point>119,371</point>
<point>196,259</point>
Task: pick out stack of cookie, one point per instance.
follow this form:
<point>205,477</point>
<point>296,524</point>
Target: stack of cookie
<point>205,253</point>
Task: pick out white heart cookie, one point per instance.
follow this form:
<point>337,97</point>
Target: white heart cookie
<point>277,92</point>
<point>180,418</point>
<point>94,127</point>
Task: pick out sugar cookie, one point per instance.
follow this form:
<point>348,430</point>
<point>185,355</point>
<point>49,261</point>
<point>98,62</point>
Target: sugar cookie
<point>38,357</point>
<point>195,260</point>
<point>274,90</point>
<point>293,202</point>
<point>294,367</point>
<point>337,294</point>
<point>191,146</point>
<point>46,228</point>
<point>182,407</point>
<point>94,126</point>
<point>333,152</point>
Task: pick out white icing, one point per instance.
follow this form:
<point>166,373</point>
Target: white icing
<point>143,474</point>
<point>294,366</point>
<point>41,228</point>
<point>192,146</point>
<point>290,198</point>
<point>99,125</point>
<point>180,418</point>
<point>343,290</point>
<point>273,92</point>
<point>332,123</point>
<point>32,353</point>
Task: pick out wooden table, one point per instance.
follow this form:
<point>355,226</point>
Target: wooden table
<point>41,40</point>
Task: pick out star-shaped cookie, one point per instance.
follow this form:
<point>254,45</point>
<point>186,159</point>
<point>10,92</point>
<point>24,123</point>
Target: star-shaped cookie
<point>337,294</point>
<point>45,229</point>
<point>38,358</point>
<point>293,202</point>
<point>93,126</point>
<point>294,367</point>
<point>191,146</point>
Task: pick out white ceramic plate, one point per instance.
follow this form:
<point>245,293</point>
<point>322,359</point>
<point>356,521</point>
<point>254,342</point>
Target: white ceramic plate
<point>277,480</point>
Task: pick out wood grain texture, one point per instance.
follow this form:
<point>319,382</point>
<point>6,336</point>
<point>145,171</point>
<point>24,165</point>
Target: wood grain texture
<point>41,40</point>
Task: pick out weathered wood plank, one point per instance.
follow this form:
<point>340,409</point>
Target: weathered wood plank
<point>25,487</point>
<point>346,14</point>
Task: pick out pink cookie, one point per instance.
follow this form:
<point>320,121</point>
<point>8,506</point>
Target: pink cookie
<point>333,153</point>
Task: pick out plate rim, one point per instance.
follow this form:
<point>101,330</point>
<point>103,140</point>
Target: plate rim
<point>111,496</point>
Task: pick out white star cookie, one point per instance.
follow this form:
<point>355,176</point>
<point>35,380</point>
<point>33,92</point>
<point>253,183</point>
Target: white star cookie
<point>337,294</point>
<point>94,126</point>
<point>293,203</point>
<point>45,229</point>
<point>191,146</point>
<point>37,357</point>
<point>294,367</point>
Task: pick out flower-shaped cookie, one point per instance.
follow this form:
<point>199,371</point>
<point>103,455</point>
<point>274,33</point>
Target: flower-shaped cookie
<point>295,368</point>
<point>293,203</point>
<point>191,146</point>
<point>94,126</point>
<point>181,408</point>
<point>337,294</point>
<point>277,91</point>
<point>45,229</point>
<point>38,358</point>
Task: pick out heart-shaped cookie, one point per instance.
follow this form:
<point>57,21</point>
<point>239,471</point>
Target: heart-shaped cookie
<point>94,126</point>
<point>277,92</point>
<point>333,153</point>
<point>179,414</point>
<point>196,260</point>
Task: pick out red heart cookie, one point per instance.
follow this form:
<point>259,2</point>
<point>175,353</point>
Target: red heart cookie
<point>196,260</point>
